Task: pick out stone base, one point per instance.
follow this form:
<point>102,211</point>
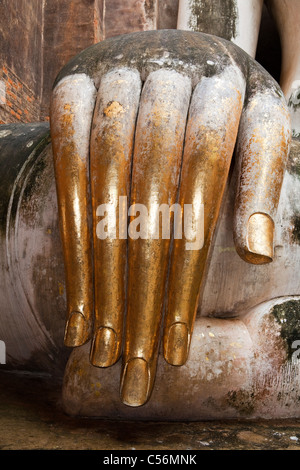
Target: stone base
<point>238,368</point>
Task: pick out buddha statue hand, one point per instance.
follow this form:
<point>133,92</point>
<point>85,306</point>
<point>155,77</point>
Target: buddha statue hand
<point>144,127</point>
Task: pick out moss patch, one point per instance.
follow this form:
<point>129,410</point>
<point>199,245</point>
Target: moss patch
<point>287,315</point>
<point>296,229</point>
<point>242,401</point>
<point>294,101</point>
<point>293,164</point>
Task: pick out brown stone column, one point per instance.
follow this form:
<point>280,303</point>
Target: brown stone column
<point>70,27</point>
<point>123,17</point>
<point>167,13</point>
<point>21,30</point>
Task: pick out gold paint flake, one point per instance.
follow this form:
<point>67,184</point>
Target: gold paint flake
<point>113,109</point>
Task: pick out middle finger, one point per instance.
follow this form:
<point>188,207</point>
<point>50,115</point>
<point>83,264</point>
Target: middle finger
<point>156,169</point>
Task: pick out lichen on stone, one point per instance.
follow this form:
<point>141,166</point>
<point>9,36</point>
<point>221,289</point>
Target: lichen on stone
<point>242,400</point>
<point>287,315</point>
<point>208,17</point>
<point>293,164</point>
<point>296,228</point>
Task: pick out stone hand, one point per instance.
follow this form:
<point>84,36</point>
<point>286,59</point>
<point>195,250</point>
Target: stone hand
<point>151,120</point>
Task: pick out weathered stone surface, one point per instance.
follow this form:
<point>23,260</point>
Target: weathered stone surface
<point>237,368</point>
<point>126,17</point>
<point>37,39</point>
<point>21,32</point>
<point>20,35</point>
<point>208,17</point>
<point>153,50</point>
<point>31,418</point>
<point>57,30</point>
<point>69,28</point>
<point>167,13</point>
<point>28,198</point>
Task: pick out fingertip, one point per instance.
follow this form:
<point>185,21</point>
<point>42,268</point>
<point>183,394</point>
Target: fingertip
<point>78,330</point>
<point>177,344</point>
<point>105,349</point>
<point>259,239</point>
<point>135,382</point>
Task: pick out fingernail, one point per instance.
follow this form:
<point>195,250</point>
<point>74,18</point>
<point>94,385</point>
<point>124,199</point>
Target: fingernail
<point>135,382</point>
<point>177,344</point>
<point>104,348</point>
<point>260,238</point>
<point>77,330</point>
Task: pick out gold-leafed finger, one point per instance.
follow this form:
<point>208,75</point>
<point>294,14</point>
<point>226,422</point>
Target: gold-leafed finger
<point>262,151</point>
<point>72,108</point>
<point>212,128</point>
<point>155,178</point>
<point>111,154</point>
